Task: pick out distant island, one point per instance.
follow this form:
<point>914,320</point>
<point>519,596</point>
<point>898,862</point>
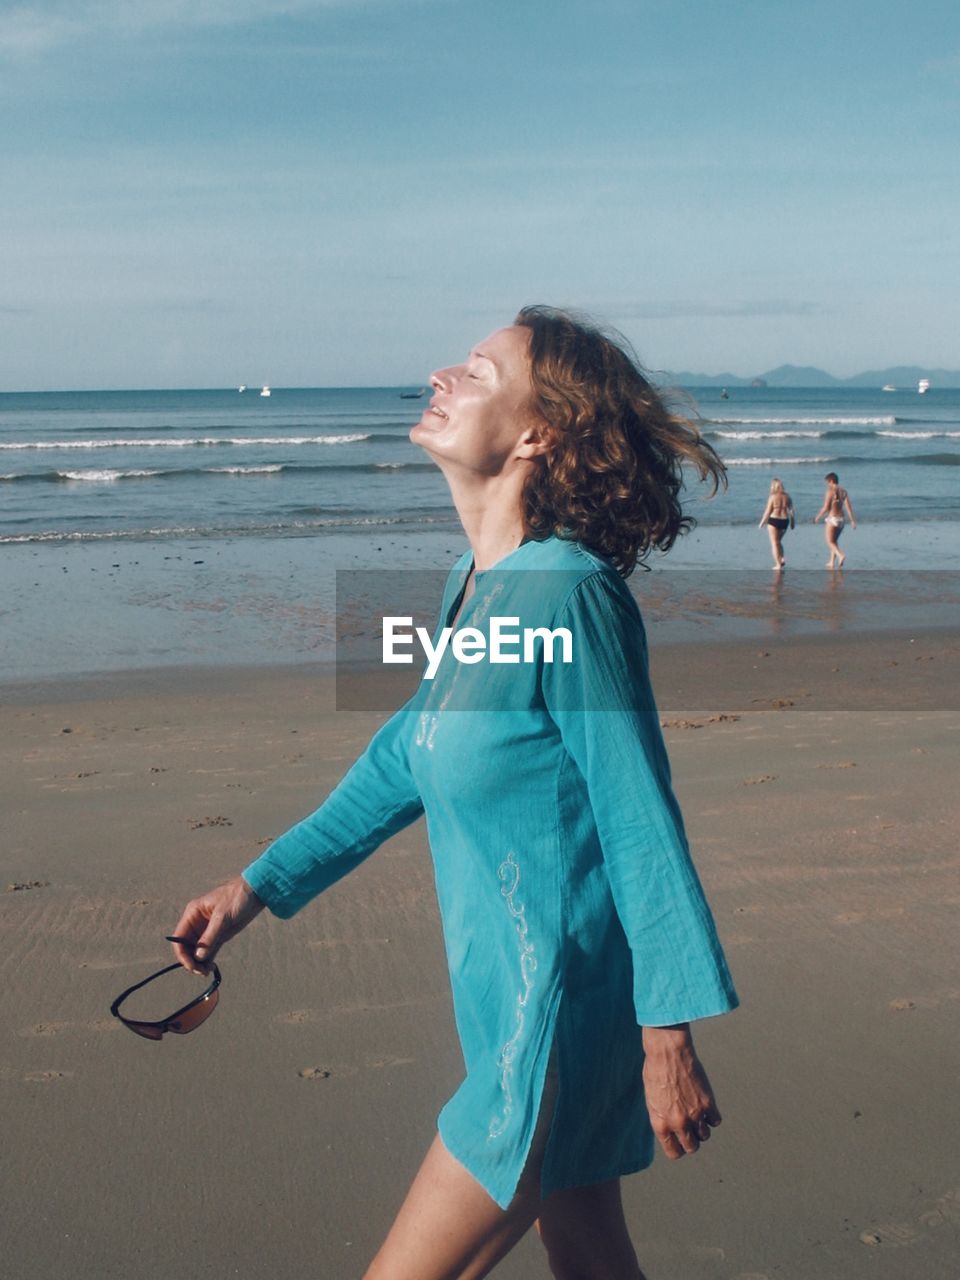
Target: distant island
<point>904,377</point>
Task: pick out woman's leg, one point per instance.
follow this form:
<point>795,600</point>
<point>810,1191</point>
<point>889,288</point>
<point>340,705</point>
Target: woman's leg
<point>775,545</point>
<point>836,555</point>
<point>831,536</point>
<point>448,1228</point>
<point>585,1234</point>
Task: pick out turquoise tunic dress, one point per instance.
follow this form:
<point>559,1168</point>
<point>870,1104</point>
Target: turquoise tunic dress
<point>572,913</point>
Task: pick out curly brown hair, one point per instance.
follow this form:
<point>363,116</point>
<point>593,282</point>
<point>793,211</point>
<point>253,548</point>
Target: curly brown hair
<point>612,472</point>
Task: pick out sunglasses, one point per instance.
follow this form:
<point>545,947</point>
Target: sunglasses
<point>184,1020</point>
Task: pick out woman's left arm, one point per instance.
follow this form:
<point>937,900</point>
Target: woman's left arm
<point>604,707</point>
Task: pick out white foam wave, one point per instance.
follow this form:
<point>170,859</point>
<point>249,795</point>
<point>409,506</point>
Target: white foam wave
<point>186,531</point>
<point>770,462</point>
<point>245,471</point>
<point>921,435</point>
<point>105,476</point>
<point>182,443</point>
<point>889,420</point>
<point>770,435</point>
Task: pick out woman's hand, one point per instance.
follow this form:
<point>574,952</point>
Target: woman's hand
<point>679,1098</point>
<point>210,920</point>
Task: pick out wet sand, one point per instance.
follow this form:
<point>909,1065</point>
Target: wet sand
<point>818,779</point>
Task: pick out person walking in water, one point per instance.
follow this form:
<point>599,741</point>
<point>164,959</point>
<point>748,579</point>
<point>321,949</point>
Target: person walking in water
<point>836,506</point>
<point>778,516</point>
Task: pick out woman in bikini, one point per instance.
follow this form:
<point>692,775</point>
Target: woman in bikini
<point>778,516</point>
<point>836,501</point>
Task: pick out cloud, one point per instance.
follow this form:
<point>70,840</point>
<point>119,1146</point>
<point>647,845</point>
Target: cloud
<point>33,28</point>
<point>681,310</point>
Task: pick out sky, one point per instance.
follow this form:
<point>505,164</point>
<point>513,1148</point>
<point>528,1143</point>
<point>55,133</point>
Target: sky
<point>198,193</point>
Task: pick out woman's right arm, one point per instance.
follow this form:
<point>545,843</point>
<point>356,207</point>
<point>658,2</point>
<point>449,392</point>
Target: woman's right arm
<point>375,799</point>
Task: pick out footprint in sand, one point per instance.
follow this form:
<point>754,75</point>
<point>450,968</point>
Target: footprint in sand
<point>296,1016</point>
<point>914,1002</point>
<point>47,1077</point>
<point>891,1235</point>
<point>763,777</point>
<point>390,1061</point>
<point>946,1210</point>
<point>314,1073</point>
<point>858,917</point>
<point>44,1029</point>
<point>24,886</point>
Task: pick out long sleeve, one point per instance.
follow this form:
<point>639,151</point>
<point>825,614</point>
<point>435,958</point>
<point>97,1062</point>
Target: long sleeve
<point>604,707</point>
<point>375,799</point>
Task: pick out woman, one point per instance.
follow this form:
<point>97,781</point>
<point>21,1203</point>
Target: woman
<point>579,942</point>
<point>778,516</point>
<point>836,503</point>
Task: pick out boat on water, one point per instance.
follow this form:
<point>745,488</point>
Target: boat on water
<point>888,386</point>
<point>923,386</point>
<point>724,394</point>
<point>265,390</point>
<point>242,387</point>
<point>413,395</point>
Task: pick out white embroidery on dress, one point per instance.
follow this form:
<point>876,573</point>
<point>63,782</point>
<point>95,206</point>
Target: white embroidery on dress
<point>429,719</point>
<point>509,874</point>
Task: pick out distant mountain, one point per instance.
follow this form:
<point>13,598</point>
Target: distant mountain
<point>792,375</point>
<point>905,375</point>
<point>795,375</point>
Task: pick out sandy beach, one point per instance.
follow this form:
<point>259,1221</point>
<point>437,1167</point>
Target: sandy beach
<point>818,779</point>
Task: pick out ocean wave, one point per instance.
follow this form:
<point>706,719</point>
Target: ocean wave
<point>887,420</point>
<point>770,462</point>
<point>933,459</point>
<point>245,471</point>
<point>105,476</point>
<point>853,460</point>
<point>289,528</point>
<point>921,435</point>
<point>768,435</point>
<point>126,442</point>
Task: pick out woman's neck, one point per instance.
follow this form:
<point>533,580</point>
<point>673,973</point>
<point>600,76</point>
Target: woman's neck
<point>491,514</point>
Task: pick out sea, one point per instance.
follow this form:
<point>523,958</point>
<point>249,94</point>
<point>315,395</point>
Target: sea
<point>156,528</point>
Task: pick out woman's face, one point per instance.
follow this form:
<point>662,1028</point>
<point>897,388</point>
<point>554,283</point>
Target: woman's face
<point>478,417</point>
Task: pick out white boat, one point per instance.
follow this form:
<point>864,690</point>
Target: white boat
<point>264,390</point>
<point>242,387</point>
<point>888,387</point>
<point>923,386</point>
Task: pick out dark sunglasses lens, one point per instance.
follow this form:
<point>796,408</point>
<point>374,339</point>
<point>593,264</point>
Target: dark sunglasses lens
<point>144,1029</point>
<point>188,1021</point>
